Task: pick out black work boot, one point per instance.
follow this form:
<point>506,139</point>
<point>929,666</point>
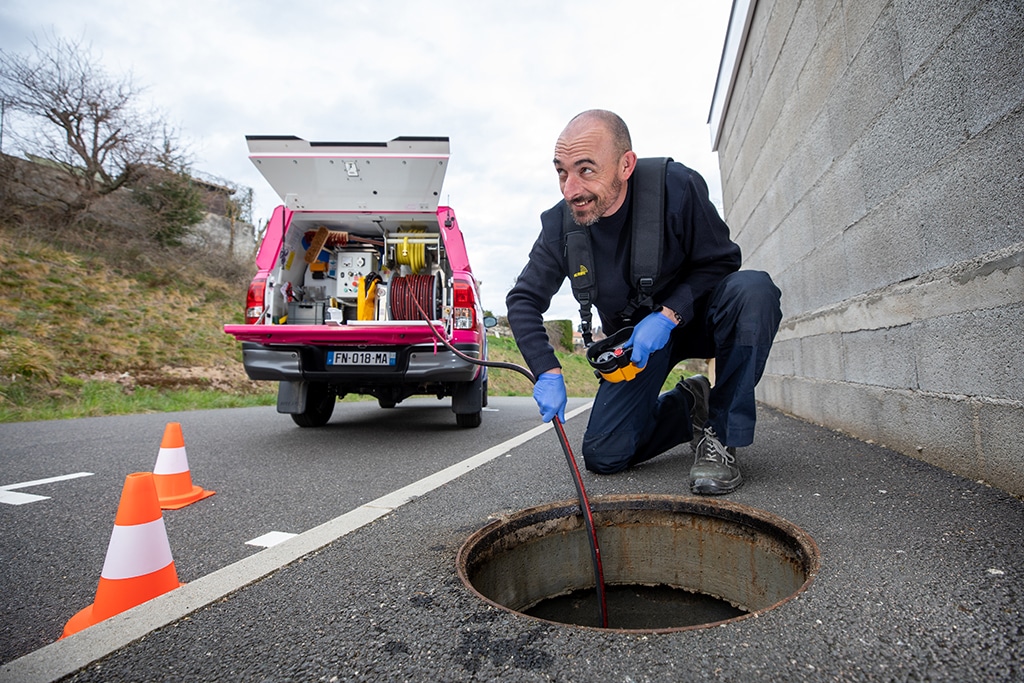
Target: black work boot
<point>714,471</point>
<point>699,389</point>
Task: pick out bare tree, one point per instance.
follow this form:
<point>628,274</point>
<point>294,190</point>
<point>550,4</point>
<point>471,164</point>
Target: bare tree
<point>88,123</point>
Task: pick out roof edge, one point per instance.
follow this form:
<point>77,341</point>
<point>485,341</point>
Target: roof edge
<point>735,41</point>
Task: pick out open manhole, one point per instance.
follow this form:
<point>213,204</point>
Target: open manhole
<point>670,563</point>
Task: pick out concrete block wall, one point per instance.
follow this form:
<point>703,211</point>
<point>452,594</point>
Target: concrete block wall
<point>872,159</point>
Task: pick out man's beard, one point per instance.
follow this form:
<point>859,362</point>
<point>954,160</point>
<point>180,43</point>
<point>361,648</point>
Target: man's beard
<point>585,220</point>
<point>597,208</point>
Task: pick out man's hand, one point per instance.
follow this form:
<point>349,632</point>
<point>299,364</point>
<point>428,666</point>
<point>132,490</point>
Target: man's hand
<point>549,393</point>
<point>650,335</point>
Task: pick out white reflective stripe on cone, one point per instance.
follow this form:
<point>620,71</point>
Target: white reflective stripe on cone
<point>171,461</point>
<point>137,550</point>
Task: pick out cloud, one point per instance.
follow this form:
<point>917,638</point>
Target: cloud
<point>500,79</point>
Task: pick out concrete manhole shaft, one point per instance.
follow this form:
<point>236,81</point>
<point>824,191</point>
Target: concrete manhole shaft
<point>670,563</point>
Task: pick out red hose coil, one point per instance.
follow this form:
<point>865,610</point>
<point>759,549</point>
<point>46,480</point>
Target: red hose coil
<point>405,292</point>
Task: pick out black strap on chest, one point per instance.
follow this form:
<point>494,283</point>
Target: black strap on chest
<point>646,225</point>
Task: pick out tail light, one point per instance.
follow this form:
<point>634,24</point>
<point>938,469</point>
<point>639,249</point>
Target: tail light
<point>464,306</point>
<point>254,300</point>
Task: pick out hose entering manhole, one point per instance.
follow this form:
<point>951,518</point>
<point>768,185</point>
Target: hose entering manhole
<point>670,563</point>
<point>563,440</point>
<point>673,563</point>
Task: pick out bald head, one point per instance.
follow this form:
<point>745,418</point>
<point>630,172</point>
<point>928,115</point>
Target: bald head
<point>613,125</point>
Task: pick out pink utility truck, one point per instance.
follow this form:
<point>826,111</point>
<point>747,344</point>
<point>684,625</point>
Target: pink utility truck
<point>355,268</point>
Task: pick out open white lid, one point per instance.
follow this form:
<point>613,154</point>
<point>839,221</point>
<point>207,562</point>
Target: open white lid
<point>395,179</point>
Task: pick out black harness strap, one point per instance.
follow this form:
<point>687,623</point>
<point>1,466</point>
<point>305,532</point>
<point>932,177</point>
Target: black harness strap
<point>647,220</point>
<point>582,276</point>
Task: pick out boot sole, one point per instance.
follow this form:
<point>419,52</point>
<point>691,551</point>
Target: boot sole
<point>715,487</point>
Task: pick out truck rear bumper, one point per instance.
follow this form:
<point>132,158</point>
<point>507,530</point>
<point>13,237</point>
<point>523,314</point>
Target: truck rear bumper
<point>414,365</point>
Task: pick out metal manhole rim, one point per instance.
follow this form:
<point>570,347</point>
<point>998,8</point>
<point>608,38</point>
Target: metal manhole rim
<point>720,508</point>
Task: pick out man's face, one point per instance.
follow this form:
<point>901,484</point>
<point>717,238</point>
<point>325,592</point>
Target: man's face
<point>591,174</point>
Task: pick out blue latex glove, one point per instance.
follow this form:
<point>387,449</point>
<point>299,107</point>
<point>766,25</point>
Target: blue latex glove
<point>549,393</point>
<point>650,335</point>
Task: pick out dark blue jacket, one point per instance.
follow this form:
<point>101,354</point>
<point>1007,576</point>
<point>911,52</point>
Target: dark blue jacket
<point>696,249</point>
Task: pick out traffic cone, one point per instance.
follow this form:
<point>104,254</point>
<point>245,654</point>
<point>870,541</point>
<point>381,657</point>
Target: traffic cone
<point>138,566</point>
<point>173,481</point>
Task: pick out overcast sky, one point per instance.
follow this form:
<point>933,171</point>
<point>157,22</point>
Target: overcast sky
<point>500,79</point>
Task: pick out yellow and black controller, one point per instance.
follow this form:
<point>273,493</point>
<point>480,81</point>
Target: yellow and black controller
<point>612,362</point>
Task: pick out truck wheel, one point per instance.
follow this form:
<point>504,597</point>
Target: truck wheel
<point>467,401</point>
<point>319,406</point>
<point>468,419</point>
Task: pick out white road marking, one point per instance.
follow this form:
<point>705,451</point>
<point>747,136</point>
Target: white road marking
<point>21,498</point>
<point>271,538</point>
<point>12,498</point>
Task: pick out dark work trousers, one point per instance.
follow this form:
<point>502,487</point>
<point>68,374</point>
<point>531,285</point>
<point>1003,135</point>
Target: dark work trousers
<point>736,324</point>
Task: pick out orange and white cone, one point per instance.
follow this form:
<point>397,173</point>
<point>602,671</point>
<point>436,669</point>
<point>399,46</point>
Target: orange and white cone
<point>173,479</point>
<point>138,566</point>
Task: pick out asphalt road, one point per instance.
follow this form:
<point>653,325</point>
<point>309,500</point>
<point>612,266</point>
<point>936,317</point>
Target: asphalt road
<point>268,474</point>
<point>920,578</point>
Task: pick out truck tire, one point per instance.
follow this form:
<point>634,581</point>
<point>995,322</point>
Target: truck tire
<point>319,406</point>
<point>469,420</point>
<point>468,401</point>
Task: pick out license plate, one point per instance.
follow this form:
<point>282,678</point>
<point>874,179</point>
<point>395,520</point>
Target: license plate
<point>360,358</point>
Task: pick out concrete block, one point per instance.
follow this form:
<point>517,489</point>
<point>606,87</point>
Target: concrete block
<point>799,232</point>
<point>978,353</point>
<point>794,285</point>
<point>838,201</point>
<point>994,280</point>
<point>988,50</point>
<point>936,429</point>
<point>774,35</point>
<point>791,282</point>
<point>828,10</point>
<point>825,63</point>
<point>1000,430</point>
<point>825,276</point>
<point>924,25</point>
<point>805,398</point>
<point>924,124</point>
<point>821,357</point>
<point>756,63</point>
<point>973,201</point>
<point>772,391</point>
<point>860,20</point>
<point>849,407</point>
<point>810,158</point>
<point>768,255</point>
<point>883,247</point>
<point>872,79</point>
<point>784,358</point>
<point>882,357</point>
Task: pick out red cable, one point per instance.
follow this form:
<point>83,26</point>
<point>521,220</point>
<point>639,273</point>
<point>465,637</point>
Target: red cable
<point>584,502</point>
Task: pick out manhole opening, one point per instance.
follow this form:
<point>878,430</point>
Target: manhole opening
<point>670,563</point>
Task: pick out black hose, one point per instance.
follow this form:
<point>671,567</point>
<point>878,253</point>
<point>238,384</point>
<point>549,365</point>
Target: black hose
<point>574,470</point>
